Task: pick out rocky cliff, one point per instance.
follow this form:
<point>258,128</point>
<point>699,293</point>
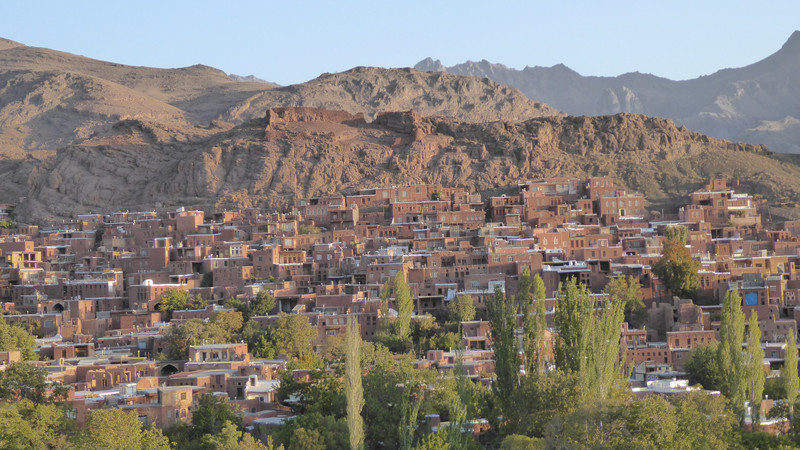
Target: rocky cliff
<point>306,152</point>
<point>756,103</point>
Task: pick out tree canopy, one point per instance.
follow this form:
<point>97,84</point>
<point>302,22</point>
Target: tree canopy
<point>676,268</point>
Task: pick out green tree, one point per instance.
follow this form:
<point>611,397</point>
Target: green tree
<point>174,300</point>
<point>196,332</point>
<point>386,294</point>
<point>692,420</point>
<point>405,305</point>
<point>14,337</point>
<point>229,321</point>
<point>729,351</point>
<point>211,414</point>
<point>628,290</point>
<point>520,442</point>
<point>462,308</point>
<point>524,291</point>
<point>702,367</point>
<point>676,269</point>
<point>231,437</point>
<point>262,304</point>
<point>572,321</point>
<point>541,399</point>
<point>307,229</point>
<point>118,429</point>
<point>604,370</point>
<point>534,328</point>
<point>323,394</point>
<point>790,375</point>
<point>754,361</point>
<point>503,322</point>
<point>354,390</point>
<point>24,424</point>
<point>21,380</point>
<point>705,421</point>
<point>409,410</point>
<point>294,336</point>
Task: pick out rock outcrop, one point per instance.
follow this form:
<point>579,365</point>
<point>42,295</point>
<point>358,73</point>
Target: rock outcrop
<point>294,152</point>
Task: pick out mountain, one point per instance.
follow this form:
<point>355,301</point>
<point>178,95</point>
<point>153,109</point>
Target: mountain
<point>50,99</point>
<point>371,90</point>
<point>294,152</point>
<point>755,104</point>
<point>80,135</point>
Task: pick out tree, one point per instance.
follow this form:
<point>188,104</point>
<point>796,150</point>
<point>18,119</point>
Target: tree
<point>354,390</point>
<point>755,367</point>
<point>219,329</point>
<point>386,294</point>
<point>502,320</point>
<point>790,374</point>
<point>294,336</point>
<point>461,309</point>
<point>534,327</point>
<point>307,229</point>
<point>520,442</point>
<point>524,291</point>
<point>405,306</point>
<point>604,369</point>
<point>14,337</point>
<point>118,429</point>
<point>22,380</point>
<point>540,399</point>
<point>211,414</point>
<point>572,321</point>
<point>262,304</point>
<point>588,343</point>
<point>176,300</point>
<point>231,437</point>
<point>729,351</point>
<point>702,367</point>
<point>24,424</point>
<point>409,410</point>
<point>676,269</point>
<point>628,290</point>
<point>229,321</point>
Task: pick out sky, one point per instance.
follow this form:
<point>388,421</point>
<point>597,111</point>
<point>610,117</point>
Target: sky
<point>295,41</point>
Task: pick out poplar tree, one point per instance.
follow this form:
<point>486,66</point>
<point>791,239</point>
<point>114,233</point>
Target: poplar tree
<point>572,321</point>
<point>755,367</point>
<point>502,319</point>
<point>604,369</point>
<point>405,306</point>
<point>354,390</point>
<point>729,350</point>
<point>386,294</point>
<point>535,343</point>
<point>791,380</point>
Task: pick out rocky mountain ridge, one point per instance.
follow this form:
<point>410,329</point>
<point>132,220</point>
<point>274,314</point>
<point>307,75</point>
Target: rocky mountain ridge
<point>300,152</point>
<point>756,103</point>
<point>51,99</point>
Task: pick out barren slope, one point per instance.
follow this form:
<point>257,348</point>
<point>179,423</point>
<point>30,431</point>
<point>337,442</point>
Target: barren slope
<point>305,152</point>
<point>370,90</point>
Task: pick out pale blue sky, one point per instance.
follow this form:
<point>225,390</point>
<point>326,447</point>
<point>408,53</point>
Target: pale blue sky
<point>294,41</point>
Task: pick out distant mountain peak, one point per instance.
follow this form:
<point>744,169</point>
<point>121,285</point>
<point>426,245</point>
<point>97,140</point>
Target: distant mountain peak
<point>430,65</point>
<point>793,43</point>
<point>247,78</point>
